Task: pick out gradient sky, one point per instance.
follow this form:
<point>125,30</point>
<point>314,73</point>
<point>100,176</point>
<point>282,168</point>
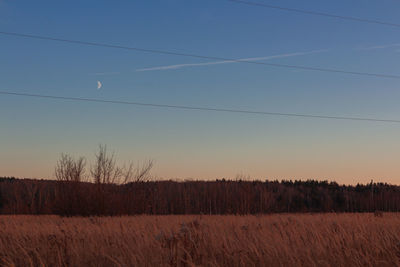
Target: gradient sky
<point>195,144</point>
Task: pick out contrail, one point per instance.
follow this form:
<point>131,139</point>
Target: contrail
<point>179,66</point>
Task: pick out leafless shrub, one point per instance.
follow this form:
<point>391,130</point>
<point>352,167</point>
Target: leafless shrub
<point>183,245</point>
<point>378,213</point>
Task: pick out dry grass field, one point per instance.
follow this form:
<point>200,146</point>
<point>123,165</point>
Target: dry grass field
<point>270,240</point>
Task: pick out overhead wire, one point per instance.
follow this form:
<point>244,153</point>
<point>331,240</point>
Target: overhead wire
<point>199,108</point>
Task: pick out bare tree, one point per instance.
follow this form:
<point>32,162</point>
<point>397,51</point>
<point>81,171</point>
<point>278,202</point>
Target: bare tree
<point>106,171</point>
<point>72,195</point>
<point>138,174</point>
<point>70,173</point>
<point>70,170</point>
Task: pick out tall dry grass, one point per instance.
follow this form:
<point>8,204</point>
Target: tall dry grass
<point>271,240</point>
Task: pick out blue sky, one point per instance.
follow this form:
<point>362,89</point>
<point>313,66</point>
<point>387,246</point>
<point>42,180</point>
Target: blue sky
<point>202,145</point>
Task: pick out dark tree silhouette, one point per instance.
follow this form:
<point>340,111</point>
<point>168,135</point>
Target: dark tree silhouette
<point>200,197</point>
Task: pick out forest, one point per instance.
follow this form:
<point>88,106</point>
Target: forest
<point>74,198</point>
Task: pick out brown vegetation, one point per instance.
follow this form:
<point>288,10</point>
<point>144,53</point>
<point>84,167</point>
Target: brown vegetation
<point>269,240</point>
<point>192,197</point>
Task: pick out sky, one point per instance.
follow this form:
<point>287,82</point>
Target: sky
<point>203,144</point>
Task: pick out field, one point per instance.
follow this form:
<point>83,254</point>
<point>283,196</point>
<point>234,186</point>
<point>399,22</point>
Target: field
<point>267,240</point>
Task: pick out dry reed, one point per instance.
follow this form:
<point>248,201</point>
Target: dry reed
<point>267,240</point>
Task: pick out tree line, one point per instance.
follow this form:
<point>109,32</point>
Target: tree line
<point>107,189</point>
<point>24,196</point>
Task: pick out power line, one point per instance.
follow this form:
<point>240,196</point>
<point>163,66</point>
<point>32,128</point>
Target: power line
<point>164,52</point>
<point>309,12</point>
<point>198,108</point>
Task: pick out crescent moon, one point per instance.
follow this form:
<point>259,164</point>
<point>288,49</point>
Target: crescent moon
<point>99,85</point>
